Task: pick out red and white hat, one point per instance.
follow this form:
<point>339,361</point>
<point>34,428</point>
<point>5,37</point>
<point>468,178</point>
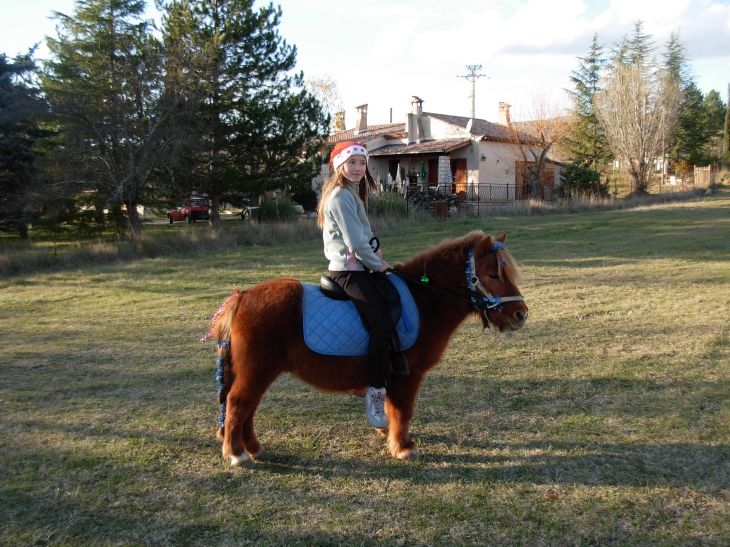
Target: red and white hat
<point>343,150</point>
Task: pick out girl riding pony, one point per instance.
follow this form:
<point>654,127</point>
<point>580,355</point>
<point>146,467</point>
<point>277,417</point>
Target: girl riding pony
<point>342,216</point>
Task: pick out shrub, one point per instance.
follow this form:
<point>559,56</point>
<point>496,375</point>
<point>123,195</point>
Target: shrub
<point>276,209</point>
<point>576,179</point>
<point>388,204</point>
<point>306,197</point>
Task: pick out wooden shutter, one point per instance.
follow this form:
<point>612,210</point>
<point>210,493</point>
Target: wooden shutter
<point>458,171</point>
<point>433,173</point>
<point>548,176</point>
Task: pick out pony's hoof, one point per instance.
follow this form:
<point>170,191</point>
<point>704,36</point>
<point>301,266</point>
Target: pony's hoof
<point>408,454</point>
<point>261,455</point>
<point>244,460</point>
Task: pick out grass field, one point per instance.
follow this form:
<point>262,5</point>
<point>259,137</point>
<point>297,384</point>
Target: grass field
<point>606,421</point>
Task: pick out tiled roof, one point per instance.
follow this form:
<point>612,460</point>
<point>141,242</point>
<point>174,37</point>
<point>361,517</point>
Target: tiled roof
<point>383,130</point>
<point>428,147</point>
<point>487,130</point>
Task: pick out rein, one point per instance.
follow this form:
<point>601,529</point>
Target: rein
<point>484,301</point>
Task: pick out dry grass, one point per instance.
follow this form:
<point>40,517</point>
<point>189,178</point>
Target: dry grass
<point>19,257</point>
<point>604,422</point>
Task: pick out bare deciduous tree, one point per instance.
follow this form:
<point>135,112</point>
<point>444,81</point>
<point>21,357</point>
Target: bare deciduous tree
<point>548,123</point>
<point>325,89</point>
<point>638,109</point>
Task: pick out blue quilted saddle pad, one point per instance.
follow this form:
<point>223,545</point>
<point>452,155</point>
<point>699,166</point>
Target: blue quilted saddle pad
<point>334,327</point>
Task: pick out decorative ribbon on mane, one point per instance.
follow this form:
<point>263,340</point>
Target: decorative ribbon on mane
<point>485,301</point>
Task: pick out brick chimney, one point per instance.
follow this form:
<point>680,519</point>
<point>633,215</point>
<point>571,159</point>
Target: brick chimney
<point>504,118</point>
<point>362,119</point>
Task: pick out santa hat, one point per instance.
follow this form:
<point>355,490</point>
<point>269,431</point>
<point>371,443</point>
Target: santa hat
<point>343,150</point>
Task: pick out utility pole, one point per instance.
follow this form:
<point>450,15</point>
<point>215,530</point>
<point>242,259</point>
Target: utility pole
<point>472,77</point>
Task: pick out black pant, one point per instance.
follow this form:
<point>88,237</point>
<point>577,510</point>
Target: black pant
<point>375,313</point>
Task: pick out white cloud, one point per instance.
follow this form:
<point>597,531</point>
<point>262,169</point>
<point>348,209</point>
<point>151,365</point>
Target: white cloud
<point>383,51</point>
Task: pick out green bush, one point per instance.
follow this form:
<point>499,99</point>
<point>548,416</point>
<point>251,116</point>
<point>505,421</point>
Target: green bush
<point>306,197</point>
<point>575,179</point>
<point>276,209</point>
<point>388,204</point>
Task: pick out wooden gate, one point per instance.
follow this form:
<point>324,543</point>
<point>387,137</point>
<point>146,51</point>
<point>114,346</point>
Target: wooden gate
<point>702,176</point>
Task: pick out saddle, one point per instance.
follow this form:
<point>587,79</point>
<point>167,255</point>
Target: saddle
<point>332,324</point>
<point>332,290</point>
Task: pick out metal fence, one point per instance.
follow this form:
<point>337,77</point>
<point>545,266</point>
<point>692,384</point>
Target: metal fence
<point>678,185</point>
<point>504,193</point>
<point>493,193</point>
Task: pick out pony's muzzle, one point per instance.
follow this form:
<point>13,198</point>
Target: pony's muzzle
<point>520,318</point>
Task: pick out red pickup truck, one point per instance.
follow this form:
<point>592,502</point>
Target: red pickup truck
<point>194,209</point>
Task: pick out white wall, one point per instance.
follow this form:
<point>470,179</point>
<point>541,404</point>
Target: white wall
<point>499,164</point>
<point>442,130</point>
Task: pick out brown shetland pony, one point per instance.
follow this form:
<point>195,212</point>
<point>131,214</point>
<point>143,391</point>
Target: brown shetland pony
<point>262,333</point>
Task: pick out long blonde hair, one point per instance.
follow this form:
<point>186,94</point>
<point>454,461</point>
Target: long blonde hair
<point>367,185</point>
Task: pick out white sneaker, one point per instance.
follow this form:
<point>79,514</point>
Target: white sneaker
<point>375,407</point>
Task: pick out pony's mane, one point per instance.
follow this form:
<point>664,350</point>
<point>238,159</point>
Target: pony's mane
<point>508,267</point>
<point>455,249</point>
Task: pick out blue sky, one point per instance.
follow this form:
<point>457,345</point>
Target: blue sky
<point>382,52</point>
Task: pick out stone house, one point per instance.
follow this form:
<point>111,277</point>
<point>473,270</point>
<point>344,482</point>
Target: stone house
<point>482,157</point>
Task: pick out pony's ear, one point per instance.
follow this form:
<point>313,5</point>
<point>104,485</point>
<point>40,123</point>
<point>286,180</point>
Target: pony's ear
<point>502,238</point>
<point>483,247</point>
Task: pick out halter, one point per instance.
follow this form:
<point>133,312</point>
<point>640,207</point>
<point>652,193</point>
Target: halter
<point>486,301</point>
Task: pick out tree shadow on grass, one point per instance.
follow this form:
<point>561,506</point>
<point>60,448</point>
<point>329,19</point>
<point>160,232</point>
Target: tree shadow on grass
<point>544,463</point>
<point>146,500</point>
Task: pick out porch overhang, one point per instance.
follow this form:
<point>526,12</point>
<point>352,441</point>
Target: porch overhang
<point>419,149</point>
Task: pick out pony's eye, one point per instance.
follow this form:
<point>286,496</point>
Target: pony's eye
<point>493,276</point>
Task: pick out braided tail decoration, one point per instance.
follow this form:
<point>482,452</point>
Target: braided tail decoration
<point>220,329</point>
<point>224,349</point>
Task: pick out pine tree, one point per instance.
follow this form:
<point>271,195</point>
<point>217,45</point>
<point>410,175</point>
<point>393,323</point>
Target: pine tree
<point>22,111</point>
<point>587,142</point>
<point>108,86</point>
<point>635,51</point>
<point>726,130</point>
<point>640,48</point>
<point>715,109</point>
<point>715,112</point>
<point>691,135</point>
<point>261,128</point>
<point>676,62</point>
<point>689,144</point>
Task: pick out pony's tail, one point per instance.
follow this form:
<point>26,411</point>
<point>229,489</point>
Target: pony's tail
<point>220,328</point>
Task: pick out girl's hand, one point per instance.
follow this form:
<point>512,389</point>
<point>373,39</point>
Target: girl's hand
<point>385,267</point>
<point>379,254</point>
